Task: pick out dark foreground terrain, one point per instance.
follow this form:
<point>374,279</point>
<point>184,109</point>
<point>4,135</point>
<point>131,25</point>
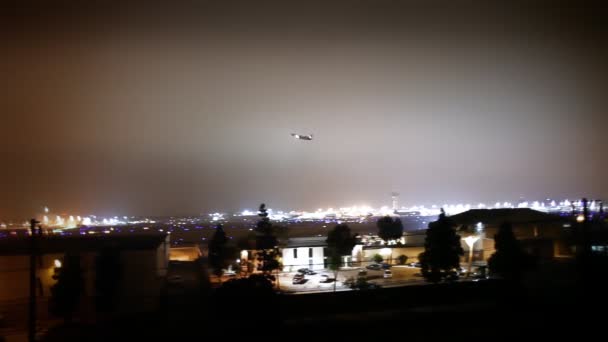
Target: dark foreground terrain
<point>487,310</point>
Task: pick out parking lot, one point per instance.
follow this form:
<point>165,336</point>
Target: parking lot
<point>401,275</point>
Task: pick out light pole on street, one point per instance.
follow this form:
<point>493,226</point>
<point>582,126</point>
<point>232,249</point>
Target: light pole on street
<point>470,241</point>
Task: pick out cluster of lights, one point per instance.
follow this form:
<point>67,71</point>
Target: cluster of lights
<point>357,212</point>
<point>71,221</point>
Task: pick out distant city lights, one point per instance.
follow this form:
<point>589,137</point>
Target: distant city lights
<point>355,213</point>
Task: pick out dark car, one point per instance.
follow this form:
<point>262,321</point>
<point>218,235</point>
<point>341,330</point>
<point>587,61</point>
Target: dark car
<point>375,267</point>
<point>386,266</point>
<point>477,276</point>
<point>298,279</point>
<point>452,276</point>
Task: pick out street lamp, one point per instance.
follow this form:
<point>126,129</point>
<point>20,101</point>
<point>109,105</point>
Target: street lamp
<point>470,241</point>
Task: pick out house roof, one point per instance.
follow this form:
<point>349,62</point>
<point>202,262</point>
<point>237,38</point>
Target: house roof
<point>78,244</point>
<point>307,242</point>
<point>498,216</point>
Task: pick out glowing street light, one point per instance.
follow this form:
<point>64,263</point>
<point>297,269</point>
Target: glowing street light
<point>470,241</point>
<point>57,263</point>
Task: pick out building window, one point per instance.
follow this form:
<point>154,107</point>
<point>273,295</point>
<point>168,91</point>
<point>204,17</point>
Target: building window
<point>310,252</point>
<point>295,253</point>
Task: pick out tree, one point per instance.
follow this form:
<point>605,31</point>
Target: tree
<point>340,242</point>
<point>360,283</point>
<point>65,294</point>
<point>442,249</point>
<point>510,260</point>
<point>218,258</point>
<point>402,259</point>
<point>266,243</point>
<point>108,275</point>
<point>258,293</point>
<point>377,258</point>
<point>389,228</point>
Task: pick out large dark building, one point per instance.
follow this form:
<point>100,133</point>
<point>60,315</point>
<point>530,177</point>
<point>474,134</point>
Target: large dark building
<point>544,235</point>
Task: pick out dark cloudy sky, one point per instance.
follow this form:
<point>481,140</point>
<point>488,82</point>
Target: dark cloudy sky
<point>163,110</point>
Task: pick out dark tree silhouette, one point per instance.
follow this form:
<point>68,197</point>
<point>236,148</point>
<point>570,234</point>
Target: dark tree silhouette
<point>266,243</point>
<point>359,283</point>
<point>66,293</point>
<point>510,260</point>
<point>340,242</point>
<point>442,249</point>
<point>389,228</point>
<point>108,276</point>
<point>256,291</point>
<point>402,259</point>
<point>218,251</point>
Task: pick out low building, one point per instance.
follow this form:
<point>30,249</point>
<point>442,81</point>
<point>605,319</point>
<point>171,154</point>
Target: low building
<point>541,234</point>
<point>185,253</point>
<point>411,245</point>
<point>143,261</point>
<point>304,253</point>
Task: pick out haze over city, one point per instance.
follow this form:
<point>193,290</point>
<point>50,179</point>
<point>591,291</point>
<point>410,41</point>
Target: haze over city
<point>454,104</point>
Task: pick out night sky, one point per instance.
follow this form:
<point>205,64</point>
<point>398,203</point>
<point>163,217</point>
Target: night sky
<point>160,110</point>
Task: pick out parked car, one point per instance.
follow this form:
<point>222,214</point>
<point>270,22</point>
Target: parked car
<point>388,274</point>
<point>375,267</point>
<point>175,279</point>
<point>298,279</point>
<point>362,273</point>
<point>415,264</point>
<point>307,271</point>
<point>386,266</point>
<point>324,278</point>
<point>482,271</point>
<point>373,286</point>
<point>476,276</point>
<point>452,276</point>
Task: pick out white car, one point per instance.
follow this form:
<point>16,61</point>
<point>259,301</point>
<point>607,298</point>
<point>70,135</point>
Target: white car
<point>388,274</point>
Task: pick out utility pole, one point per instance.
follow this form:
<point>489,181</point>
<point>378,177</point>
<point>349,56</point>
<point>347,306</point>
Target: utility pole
<point>33,255</point>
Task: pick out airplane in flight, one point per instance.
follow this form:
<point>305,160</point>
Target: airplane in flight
<point>302,137</point>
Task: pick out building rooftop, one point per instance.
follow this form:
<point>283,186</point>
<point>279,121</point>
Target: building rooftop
<point>307,242</point>
<point>77,244</point>
<point>498,216</point>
